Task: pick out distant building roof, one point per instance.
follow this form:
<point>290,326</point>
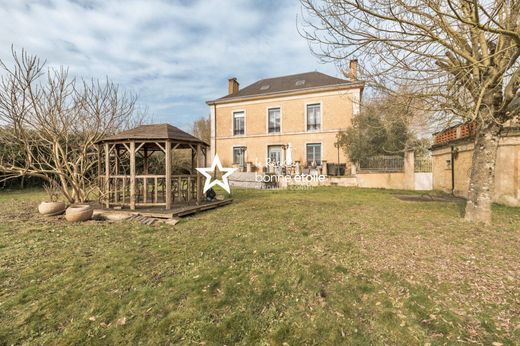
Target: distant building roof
<point>295,82</point>
<point>154,131</point>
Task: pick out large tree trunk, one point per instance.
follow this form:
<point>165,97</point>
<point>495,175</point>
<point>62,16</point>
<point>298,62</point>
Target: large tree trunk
<point>482,180</point>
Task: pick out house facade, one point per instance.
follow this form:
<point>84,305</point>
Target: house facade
<point>291,118</point>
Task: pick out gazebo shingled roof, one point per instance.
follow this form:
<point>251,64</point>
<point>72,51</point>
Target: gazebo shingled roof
<point>154,132</point>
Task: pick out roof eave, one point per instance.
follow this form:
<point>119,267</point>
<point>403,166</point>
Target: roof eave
<point>148,139</point>
<point>344,86</point>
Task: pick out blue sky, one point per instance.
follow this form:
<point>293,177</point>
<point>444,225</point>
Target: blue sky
<point>174,54</point>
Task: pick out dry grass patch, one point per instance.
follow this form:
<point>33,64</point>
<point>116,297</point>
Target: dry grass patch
<point>325,266</point>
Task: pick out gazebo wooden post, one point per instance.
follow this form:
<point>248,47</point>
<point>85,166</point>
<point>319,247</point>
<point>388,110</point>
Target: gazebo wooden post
<point>193,153</point>
<point>132,175</point>
<point>116,172</point>
<point>99,170</point>
<point>106,189</point>
<point>145,181</point>
<point>199,178</point>
<point>145,160</point>
<point>168,174</point>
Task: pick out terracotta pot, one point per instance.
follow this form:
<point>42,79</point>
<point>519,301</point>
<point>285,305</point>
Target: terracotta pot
<point>51,208</point>
<point>79,212</point>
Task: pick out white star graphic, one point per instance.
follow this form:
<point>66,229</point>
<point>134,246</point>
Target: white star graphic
<point>207,173</point>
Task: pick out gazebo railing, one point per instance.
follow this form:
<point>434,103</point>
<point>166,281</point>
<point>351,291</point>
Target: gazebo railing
<point>150,190</point>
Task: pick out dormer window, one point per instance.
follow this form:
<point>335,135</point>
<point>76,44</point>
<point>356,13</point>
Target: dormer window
<point>264,87</point>
<point>300,83</point>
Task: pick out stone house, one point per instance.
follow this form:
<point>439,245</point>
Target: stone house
<point>278,119</point>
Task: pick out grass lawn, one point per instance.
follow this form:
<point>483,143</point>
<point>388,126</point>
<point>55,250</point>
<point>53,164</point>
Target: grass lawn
<point>325,266</point>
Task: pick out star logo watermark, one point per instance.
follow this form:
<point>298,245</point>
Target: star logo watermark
<point>206,172</point>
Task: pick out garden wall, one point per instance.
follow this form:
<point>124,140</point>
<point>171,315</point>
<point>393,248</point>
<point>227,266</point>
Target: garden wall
<point>406,176</point>
<point>507,176</point>
<point>385,180</point>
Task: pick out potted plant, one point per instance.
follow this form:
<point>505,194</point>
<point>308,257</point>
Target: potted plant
<point>52,206</point>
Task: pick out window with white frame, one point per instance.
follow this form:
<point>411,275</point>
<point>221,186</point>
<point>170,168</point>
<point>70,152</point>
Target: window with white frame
<point>274,155</point>
<point>239,155</point>
<point>313,153</point>
<point>238,123</point>
<point>314,117</point>
<point>273,120</point>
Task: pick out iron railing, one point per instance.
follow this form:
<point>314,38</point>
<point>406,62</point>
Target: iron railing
<point>423,165</point>
<point>382,164</point>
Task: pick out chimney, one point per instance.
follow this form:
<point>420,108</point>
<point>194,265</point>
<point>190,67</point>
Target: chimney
<point>353,69</point>
<point>232,86</point>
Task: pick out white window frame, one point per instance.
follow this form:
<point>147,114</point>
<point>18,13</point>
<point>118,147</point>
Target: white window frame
<point>321,150</point>
<point>233,153</point>
<point>233,122</point>
<point>267,120</point>
<point>273,145</point>
<point>305,115</point>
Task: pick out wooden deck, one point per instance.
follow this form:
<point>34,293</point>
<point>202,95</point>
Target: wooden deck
<point>177,211</point>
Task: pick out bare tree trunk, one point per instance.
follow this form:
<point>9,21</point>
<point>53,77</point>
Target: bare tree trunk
<point>482,180</point>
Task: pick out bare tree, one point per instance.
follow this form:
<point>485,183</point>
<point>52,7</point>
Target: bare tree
<point>201,129</point>
<point>49,123</point>
<point>461,55</point>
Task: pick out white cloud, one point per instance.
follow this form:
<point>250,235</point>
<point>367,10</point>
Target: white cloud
<point>175,55</point>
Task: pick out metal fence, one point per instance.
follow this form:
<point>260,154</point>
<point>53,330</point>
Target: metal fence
<point>382,164</point>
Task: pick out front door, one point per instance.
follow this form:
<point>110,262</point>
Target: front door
<point>274,154</point>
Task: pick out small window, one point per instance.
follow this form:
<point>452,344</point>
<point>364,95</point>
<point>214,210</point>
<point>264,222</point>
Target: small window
<point>314,117</point>
<point>238,123</point>
<point>264,87</point>
<point>300,82</point>
<point>239,155</point>
<point>273,120</point>
<point>313,154</point>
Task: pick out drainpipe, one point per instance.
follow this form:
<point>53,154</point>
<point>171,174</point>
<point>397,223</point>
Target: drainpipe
<point>453,157</point>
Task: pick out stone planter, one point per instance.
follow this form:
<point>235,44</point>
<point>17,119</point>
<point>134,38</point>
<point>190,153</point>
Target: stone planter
<point>51,208</point>
<point>79,212</point>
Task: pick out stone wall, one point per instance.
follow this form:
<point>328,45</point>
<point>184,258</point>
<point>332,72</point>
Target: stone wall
<point>245,180</point>
<point>507,181</point>
<point>404,180</point>
<point>394,180</point>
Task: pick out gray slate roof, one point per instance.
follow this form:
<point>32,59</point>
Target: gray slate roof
<point>289,83</point>
<point>154,132</point>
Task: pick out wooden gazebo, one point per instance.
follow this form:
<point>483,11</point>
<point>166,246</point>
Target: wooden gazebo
<point>136,168</point>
